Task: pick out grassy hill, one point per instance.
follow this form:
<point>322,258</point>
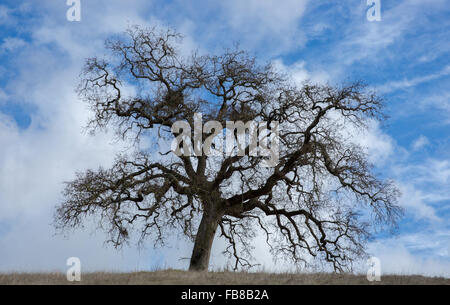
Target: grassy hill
<point>178,277</point>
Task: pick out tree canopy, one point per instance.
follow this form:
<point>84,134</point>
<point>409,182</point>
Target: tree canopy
<point>321,200</point>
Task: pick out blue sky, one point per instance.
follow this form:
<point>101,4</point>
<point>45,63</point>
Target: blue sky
<point>405,57</point>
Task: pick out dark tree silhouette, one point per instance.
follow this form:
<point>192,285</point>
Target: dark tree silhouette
<point>321,200</point>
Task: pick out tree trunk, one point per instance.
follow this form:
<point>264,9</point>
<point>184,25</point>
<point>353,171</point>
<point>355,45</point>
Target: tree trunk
<point>204,239</point>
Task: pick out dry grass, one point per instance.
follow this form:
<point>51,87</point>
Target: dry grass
<point>178,277</point>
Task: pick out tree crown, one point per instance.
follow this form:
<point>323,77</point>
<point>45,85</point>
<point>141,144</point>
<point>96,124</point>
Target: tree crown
<point>321,200</point>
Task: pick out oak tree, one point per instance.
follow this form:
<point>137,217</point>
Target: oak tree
<point>322,200</point>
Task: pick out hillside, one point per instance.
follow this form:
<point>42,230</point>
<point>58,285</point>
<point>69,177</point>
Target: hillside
<point>178,277</point>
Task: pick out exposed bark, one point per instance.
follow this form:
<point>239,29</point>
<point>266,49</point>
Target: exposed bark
<point>204,238</point>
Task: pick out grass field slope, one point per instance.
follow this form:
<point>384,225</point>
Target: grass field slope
<point>178,277</point>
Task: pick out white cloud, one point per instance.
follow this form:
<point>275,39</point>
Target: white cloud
<point>8,14</point>
<point>396,257</point>
<point>268,27</point>
<point>420,143</point>
<point>415,202</point>
<point>407,83</point>
<point>370,41</point>
<point>439,101</point>
<point>3,96</point>
<point>432,171</point>
<point>380,145</point>
<point>271,20</point>
<point>10,44</point>
<point>423,187</point>
<point>5,14</point>
<point>299,73</point>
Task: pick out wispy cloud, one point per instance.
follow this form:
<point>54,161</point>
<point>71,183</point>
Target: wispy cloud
<point>398,255</point>
<point>267,21</point>
<point>420,143</point>
<point>5,14</point>
<point>10,44</point>
<point>439,101</point>
<point>407,83</point>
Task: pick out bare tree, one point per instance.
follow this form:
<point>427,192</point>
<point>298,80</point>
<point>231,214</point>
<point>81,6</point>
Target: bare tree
<point>321,200</point>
